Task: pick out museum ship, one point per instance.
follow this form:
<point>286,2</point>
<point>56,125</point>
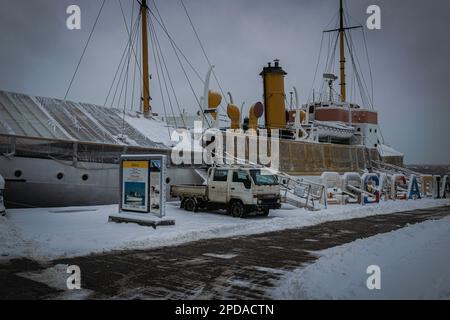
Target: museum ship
<point>56,152</point>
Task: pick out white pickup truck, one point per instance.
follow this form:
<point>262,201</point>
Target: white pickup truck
<point>240,191</point>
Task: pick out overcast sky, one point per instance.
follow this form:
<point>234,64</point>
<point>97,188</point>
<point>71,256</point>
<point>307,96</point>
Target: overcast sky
<point>409,55</point>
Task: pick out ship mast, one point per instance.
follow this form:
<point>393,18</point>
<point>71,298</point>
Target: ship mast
<point>341,31</point>
<point>147,109</point>
<point>342,50</point>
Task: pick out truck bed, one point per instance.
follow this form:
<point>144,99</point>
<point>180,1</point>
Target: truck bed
<point>188,190</point>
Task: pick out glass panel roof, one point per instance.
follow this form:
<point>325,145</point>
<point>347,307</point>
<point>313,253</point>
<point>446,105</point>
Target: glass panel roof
<point>25,115</point>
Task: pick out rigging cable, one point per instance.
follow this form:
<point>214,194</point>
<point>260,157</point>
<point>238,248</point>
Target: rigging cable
<point>134,53</point>
<point>204,51</point>
<point>363,87</point>
<point>360,78</point>
<point>128,64</point>
<point>175,48</point>
<point>120,64</point>
<point>134,79</point>
<point>84,50</point>
<point>121,73</point>
<point>159,54</point>
<point>370,67</point>
<point>367,54</point>
<point>317,68</point>
<point>169,78</point>
<point>174,45</point>
<point>157,76</point>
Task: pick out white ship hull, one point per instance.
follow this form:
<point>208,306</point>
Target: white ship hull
<point>39,186</point>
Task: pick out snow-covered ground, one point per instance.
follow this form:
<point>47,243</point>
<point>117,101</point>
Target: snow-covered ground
<point>51,233</point>
<point>414,264</point>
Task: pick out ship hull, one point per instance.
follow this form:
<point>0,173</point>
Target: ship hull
<point>39,185</point>
<point>312,159</point>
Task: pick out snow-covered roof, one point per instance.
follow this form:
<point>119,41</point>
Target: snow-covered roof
<point>388,151</point>
<point>39,117</point>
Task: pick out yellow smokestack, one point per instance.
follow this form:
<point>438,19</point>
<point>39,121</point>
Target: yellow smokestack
<point>274,96</point>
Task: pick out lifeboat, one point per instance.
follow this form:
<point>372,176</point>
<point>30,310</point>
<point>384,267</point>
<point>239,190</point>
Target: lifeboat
<point>337,130</point>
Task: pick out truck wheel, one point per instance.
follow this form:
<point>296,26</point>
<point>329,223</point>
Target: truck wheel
<point>190,205</point>
<point>265,212</point>
<point>237,209</point>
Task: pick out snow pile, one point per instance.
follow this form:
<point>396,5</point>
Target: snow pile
<point>414,264</point>
<point>387,151</point>
<point>12,243</point>
<point>56,277</point>
<point>50,233</point>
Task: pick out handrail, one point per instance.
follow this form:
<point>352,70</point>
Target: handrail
<point>394,167</point>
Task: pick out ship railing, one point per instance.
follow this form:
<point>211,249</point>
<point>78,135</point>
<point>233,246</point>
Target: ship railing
<point>69,152</point>
<point>302,192</point>
<point>297,191</point>
<point>393,169</point>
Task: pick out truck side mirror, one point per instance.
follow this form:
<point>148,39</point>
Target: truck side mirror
<point>247,184</point>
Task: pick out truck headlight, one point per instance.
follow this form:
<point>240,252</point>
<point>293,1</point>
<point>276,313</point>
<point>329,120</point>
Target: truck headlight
<point>278,200</point>
<point>259,201</point>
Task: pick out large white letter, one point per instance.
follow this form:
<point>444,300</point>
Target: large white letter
<point>182,151</point>
<point>74,280</point>
<point>374,21</point>
<point>374,280</point>
<point>74,20</point>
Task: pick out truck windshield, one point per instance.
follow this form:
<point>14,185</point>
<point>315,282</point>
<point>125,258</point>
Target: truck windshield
<point>263,178</point>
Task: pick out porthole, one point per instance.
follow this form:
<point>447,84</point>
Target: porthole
<point>85,177</point>
<point>18,173</point>
<point>60,175</point>
<point>167,180</point>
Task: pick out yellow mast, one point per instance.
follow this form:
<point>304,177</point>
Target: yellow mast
<point>342,28</point>
<point>147,110</point>
<point>342,51</point>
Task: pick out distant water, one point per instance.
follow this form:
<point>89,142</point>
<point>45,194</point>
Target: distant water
<point>430,169</point>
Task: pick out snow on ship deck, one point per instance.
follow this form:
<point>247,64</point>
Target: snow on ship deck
<point>53,119</point>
